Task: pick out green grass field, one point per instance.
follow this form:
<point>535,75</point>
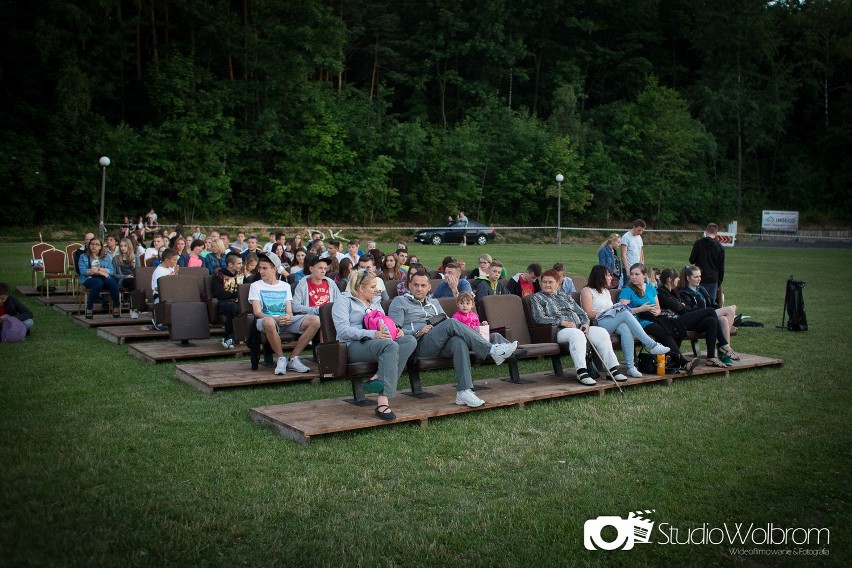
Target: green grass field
<point>106,460</point>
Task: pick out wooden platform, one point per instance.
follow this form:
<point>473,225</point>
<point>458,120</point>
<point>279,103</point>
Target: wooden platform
<point>164,351</point>
<point>104,319</point>
<point>55,299</point>
<point>141,330</point>
<point>303,420</point>
<point>210,377</point>
<point>28,290</point>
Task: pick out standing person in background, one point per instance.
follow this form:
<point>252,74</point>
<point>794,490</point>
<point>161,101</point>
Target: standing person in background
<point>709,255</point>
<point>632,248</point>
<point>463,222</point>
<point>609,256</point>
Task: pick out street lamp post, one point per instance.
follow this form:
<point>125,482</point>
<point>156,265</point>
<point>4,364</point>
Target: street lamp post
<point>104,162</point>
<point>559,179</point>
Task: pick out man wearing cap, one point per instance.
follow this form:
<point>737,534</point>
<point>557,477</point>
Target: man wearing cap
<point>272,304</point>
<point>316,291</point>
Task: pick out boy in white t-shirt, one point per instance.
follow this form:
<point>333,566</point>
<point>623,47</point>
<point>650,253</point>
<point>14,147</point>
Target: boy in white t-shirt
<point>272,304</point>
<point>167,267</point>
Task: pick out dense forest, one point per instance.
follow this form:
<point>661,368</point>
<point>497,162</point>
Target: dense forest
<point>387,111</point>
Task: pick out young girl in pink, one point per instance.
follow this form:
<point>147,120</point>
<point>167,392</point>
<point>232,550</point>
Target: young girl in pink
<point>467,316</point>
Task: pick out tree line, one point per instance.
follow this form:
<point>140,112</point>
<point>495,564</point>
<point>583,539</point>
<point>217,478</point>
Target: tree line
<point>380,111</point>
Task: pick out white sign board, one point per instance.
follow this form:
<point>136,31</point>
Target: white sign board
<point>787,221</point>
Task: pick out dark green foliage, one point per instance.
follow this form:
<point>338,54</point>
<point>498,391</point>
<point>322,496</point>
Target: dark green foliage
<point>372,111</point>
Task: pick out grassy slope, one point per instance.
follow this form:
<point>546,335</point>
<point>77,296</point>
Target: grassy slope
<point>107,460</point>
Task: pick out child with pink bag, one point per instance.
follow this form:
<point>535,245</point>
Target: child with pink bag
<point>467,316</point>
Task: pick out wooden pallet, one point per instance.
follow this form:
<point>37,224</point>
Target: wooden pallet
<point>28,290</point>
<point>55,299</point>
<point>303,420</point>
<point>210,377</point>
<point>106,320</point>
<point>165,351</point>
<point>141,330</point>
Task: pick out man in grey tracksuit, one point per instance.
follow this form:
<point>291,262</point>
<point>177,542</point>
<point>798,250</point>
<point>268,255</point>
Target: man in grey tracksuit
<point>449,338</point>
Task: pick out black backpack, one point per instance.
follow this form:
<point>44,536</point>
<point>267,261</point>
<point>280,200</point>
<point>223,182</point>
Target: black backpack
<point>794,306</point>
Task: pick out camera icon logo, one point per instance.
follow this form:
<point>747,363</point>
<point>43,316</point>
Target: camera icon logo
<point>634,529</point>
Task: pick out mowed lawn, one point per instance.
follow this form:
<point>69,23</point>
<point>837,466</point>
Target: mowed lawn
<point>108,461</point>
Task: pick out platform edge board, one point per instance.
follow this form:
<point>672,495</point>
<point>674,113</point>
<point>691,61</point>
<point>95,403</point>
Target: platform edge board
<point>192,381</point>
<point>282,429</point>
<point>284,418</point>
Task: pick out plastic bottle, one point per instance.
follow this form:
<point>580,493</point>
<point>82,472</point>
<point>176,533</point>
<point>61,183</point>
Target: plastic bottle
<point>661,365</point>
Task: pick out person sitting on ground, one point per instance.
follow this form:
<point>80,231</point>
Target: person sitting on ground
<point>272,305</point>
<point>609,256</point>
<point>151,221</point>
<point>314,292</point>
<point>694,295</point>
<point>96,275</point>
<point>453,284</point>
<point>365,264</point>
<point>192,258</point>
<point>226,289</point>
<point>642,300</point>
<point>466,315</point>
<point>490,284</point>
<point>596,301</point>
<point>445,338</point>
<point>368,345</point>
<point>11,307</point>
<point>552,306</point>
<point>218,256</point>
<point>525,284</point>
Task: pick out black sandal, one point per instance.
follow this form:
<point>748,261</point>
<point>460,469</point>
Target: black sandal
<point>690,365</point>
<point>386,414</point>
<point>716,362</point>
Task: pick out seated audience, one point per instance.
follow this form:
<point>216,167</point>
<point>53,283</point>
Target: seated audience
<point>490,283</point>
<point>642,300</point>
<point>596,301</point>
<point>193,258</point>
<point>525,284</point>
<point>272,305</point>
<point>226,289</point>
<point>218,256</point>
<point>96,275</point>
<point>446,338</point>
<point>314,292</point>
<point>365,264</point>
<point>249,268</point>
<point>483,268</point>
<point>466,315</point>
<point>552,306</point>
<point>124,265</point>
<point>353,252</point>
<point>364,345</point>
<point>567,283</point>
<point>453,284</point>
<point>297,269</point>
<point>694,295</point>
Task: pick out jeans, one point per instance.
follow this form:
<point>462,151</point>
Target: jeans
<point>96,286</point>
<point>628,328</point>
<point>576,341</point>
<point>391,355</point>
<point>711,288</point>
<point>451,338</point>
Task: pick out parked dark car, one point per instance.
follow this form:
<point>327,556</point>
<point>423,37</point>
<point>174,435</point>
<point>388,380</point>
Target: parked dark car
<point>452,233</point>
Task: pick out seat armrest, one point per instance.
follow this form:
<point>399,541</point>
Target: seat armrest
<point>332,359</point>
<point>543,334</point>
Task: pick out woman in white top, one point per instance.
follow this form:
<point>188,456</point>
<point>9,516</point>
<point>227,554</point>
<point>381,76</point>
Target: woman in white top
<point>596,301</point>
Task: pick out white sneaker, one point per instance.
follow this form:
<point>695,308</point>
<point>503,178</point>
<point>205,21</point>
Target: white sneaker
<point>281,367</point>
<point>297,365</point>
<point>502,351</point>
<point>134,314</point>
<point>587,380</point>
<point>467,398</point>
<point>228,343</point>
<point>618,376</point>
<point>659,349</point>
<point>634,372</point>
